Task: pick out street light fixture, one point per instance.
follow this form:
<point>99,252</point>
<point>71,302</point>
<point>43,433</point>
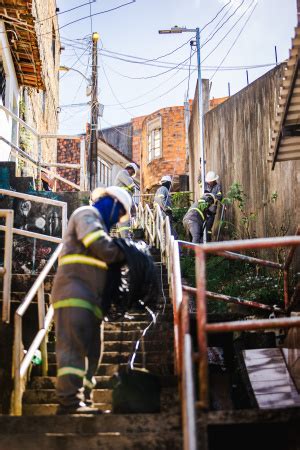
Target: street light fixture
<point>177,29</point>
<point>67,69</point>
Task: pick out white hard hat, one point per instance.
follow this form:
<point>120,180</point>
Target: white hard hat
<point>165,178</point>
<point>211,176</point>
<point>132,166</point>
<point>117,193</point>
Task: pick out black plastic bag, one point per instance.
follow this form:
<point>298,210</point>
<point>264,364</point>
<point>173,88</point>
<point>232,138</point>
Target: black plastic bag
<point>136,391</point>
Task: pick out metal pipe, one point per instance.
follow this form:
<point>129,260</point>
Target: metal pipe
<point>44,237</point>
<point>189,416</point>
<point>17,349</point>
<point>230,299</point>
<point>8,243</point>
<point>33,198</point>
<point>213,247</point>
<point>250,259</point>
<point>10,113</point>
<point>41,315</point>
<point>33,290</point>
<point>244,325</point>
<point>201,325</point>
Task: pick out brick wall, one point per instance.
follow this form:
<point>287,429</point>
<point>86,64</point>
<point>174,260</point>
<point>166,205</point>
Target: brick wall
<point>137,125</point>
<point>172,161</point>
<point>68,151</point>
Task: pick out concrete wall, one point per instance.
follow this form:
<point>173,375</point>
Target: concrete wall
<point>237,143</point>
<point>7,130</point>
<point>194,149</point>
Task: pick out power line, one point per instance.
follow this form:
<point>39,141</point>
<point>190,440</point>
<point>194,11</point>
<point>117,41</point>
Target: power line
<point>229,31</point>
<point>223,24</point>
<point>205,26</point>
<point>240,32</point>
<point>97,14</point>
<point>67,10</point>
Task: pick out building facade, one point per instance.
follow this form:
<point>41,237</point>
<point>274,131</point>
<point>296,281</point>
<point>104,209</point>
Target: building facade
<point>29,64</point>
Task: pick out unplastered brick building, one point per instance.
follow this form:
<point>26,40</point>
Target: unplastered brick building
<point>157,142</point>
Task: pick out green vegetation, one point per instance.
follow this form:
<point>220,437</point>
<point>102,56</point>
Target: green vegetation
<point>238,279</point>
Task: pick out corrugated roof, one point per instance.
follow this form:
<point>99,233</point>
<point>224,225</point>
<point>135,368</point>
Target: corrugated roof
<point>285,139</point>
<point>22,38</point>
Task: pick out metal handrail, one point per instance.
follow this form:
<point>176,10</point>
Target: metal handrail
<point>21,362</point>
<point>259,324</point>
<point>41,166</point>
<point>158,231</point>
<point>35,198</point>
<point>183,352</point>
<point>8,214</point>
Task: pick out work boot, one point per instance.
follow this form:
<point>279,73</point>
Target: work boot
<point>81,408</point>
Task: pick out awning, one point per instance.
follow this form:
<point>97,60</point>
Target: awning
<point>19,23</point>
<point>285,140</point>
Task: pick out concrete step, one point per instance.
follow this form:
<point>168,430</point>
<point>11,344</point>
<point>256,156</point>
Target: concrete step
<point>135,326</point>
<point>22,283</point>
<point>103,382</point>
<point>84,424</point>
<point>54,440</point>
<point>133,335</point>
<point>117,357</point>
<point>169,396</point>
<point>164,368</point>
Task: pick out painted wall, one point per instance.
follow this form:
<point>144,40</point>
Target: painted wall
<point>237,143</point>
<point>11,96</point>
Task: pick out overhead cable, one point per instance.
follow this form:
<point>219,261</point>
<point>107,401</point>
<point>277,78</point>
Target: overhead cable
<point>240,32</point>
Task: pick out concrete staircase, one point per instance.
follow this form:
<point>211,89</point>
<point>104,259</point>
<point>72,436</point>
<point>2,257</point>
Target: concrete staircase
<point>39,427</point>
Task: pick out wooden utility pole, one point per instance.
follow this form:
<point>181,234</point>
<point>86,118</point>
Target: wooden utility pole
<point>94,115</point>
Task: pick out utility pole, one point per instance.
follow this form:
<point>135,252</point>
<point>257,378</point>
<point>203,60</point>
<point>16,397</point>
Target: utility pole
<point>93,145</point>
<point>177,29</point>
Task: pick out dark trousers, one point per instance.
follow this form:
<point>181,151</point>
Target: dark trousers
<point>195,229</point>
<point>77,352</point>
<point>209,224</point>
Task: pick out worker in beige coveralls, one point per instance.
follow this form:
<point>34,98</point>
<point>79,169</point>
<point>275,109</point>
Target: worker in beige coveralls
<point>77,295</point>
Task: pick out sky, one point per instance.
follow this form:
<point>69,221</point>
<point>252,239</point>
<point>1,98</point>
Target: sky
<point>159,69</point>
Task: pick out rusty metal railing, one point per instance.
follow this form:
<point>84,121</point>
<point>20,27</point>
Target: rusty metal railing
<point>158,231</point>
<point>225,249</point>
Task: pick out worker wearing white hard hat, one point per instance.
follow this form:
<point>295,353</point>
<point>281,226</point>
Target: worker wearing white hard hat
<point>163,199</point>
<point>78,295</point>
<point>124,180</point>
<point>212,186</point>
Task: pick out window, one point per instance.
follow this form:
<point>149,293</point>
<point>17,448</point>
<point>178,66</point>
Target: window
<point>104,173</point>
<point>154,139</point>
<point>2,83</point>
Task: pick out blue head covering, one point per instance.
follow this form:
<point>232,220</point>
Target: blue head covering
<point>109,210</point>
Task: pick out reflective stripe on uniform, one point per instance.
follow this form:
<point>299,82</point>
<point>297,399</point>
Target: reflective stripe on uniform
<point>70,371</point>
<point>160,195</point>
<point>128,188</point>
<point>78,303</point>
<point>199,211</point>
<point>81,259</point>
<point>90,384</point>
<point>92,237</point>
<point>124,228</point>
